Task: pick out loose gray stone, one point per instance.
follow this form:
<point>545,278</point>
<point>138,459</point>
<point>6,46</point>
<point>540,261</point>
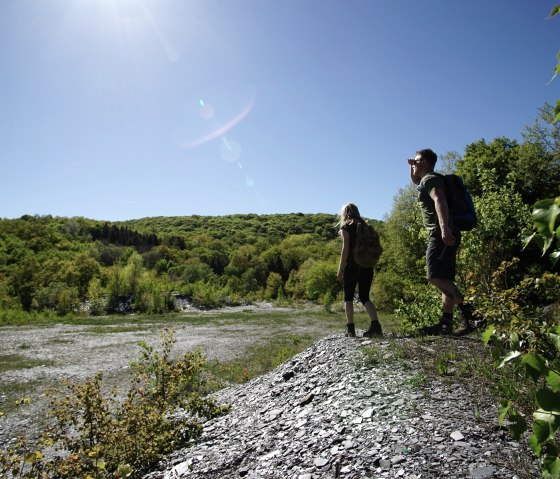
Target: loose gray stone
<point>457,436</point>
<point>482,472</point>
<point>338,417</point>
<point>385,464</point>
<point>320,461</point>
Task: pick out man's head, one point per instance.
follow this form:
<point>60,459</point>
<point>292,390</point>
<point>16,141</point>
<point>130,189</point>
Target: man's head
<point>423,163</point>
<point>428,155</point>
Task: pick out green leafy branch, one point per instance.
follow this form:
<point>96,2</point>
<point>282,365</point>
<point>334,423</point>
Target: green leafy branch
<point>533,344</point>
<point>545,219</point>
<point>555,11</point>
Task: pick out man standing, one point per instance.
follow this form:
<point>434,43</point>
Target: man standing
<point>444,239</point>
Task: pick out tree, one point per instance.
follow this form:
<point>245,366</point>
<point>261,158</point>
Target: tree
<point>500,155</point>
<point>273,284</point>
<point>24,282</point>
<point>403,236</point>
<point>502,219</point>
<point>537,173</point>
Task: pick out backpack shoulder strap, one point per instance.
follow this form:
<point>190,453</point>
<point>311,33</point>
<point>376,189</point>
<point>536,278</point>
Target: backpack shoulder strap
<point>422,185</point>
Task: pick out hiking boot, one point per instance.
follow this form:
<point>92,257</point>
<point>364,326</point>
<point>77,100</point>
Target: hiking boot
<point>350,330</point>
<point>465,329</point>
<point>467,311</point>
<point>443,328</point>
<point>446,325</point>
<point>432,330</point>
<point>374,330</point>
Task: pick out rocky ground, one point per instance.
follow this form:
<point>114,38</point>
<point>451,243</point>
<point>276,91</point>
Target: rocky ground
<point>348,408</point>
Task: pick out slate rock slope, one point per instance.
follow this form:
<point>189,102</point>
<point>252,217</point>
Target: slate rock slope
<point>335,411</point>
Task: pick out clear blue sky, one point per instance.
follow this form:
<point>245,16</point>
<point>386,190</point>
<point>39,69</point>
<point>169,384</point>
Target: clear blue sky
<point>120,109</point>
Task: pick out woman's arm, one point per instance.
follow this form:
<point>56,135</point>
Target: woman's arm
<point>343,254</point>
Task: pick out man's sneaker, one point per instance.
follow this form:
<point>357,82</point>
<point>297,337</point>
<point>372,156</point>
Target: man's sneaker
<point>374,330</point>
<point>350,330</point>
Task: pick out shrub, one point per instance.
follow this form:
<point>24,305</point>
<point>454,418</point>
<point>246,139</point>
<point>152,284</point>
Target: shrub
<point>387,287</point>
<point>273,285</point>
<point>319,278</point>
<point>527,338</point>
<point>97,436</point>
<point>420,306</point>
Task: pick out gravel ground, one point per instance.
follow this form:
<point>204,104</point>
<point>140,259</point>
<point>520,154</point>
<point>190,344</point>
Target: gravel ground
<point>335,412</point>
<point>75,352</point>
<point>345,399</point>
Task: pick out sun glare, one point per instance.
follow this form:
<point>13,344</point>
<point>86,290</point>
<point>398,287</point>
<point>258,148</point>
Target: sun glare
<point>132,21</point>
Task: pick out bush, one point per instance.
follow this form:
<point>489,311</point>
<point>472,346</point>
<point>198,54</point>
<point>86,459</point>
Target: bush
<point>97,436</point>
<point>320,279</point>
<point>206,295</point>
<point>388,287</point>
<point>420,306</point>
<point>526,337</point>
<point>273,285</point>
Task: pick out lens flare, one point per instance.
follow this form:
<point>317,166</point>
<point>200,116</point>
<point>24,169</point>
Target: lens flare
<point>230,150</point>
<point>249,182</point>
<point>207,112</point>
<point>221,130</point>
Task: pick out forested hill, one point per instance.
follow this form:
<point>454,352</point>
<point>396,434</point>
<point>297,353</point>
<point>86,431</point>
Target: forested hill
<point>235,227</point>
<point>69,265</point>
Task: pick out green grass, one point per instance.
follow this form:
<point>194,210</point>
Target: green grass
<point>17,395</point>
<point>257,360</point>
<point>469,363</point>
<point>111,329</point>
<point>18,389</point>
<point>61,341</point>
<point>9,318</point>
<point>264,357</point>
<point>13,362</point>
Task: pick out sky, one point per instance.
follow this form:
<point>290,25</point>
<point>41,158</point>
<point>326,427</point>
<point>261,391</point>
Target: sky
<point>125,109</point>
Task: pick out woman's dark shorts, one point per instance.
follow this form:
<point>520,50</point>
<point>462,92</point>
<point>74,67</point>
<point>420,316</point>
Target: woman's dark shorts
<point>356,275</point>
<point>440,258</point>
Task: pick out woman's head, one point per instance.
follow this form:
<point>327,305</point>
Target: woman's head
<point>349,214</point>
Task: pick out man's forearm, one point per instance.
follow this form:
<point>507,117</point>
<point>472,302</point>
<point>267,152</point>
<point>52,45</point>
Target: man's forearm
<point>442,210</point>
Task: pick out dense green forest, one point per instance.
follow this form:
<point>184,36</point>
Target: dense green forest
<point>58,266</point>
<point>70,265</point>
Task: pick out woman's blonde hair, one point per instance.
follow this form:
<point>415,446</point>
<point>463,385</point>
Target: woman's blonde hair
<point>349,214</point>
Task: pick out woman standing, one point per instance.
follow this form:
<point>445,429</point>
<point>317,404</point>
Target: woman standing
<point>352,274</point>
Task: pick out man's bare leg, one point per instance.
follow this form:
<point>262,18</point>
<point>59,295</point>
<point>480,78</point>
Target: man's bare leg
<point>448,289</point>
